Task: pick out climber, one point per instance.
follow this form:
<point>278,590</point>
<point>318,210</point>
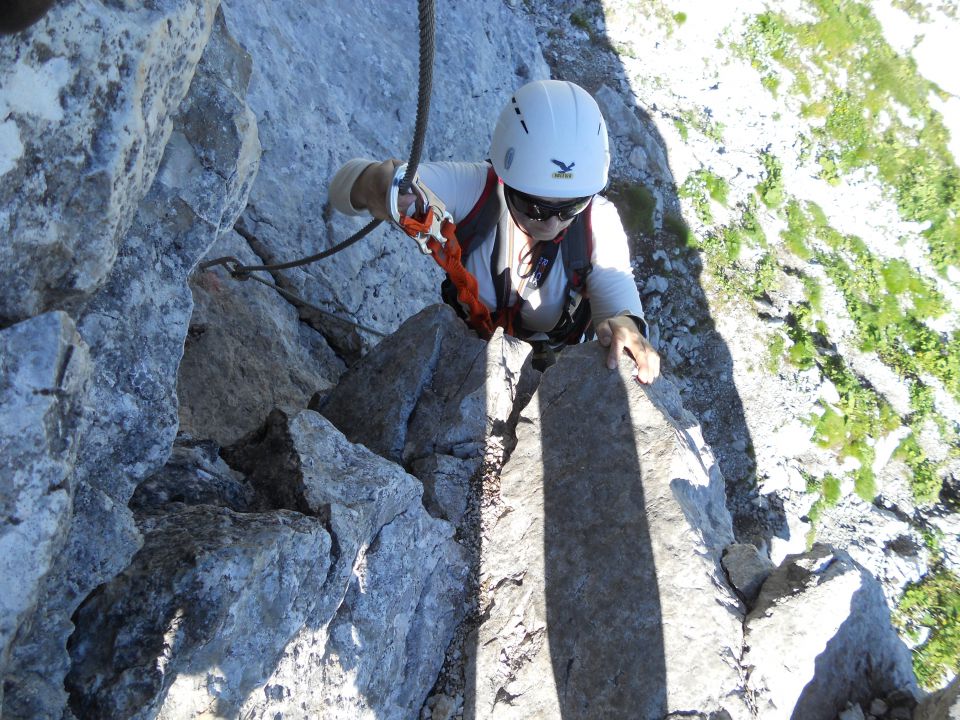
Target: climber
<point>526,221</point>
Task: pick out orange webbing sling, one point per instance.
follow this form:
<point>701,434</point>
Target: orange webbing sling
<point>448,256</point>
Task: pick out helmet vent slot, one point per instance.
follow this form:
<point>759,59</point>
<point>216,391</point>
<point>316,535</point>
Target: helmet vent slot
<point>522,122</point>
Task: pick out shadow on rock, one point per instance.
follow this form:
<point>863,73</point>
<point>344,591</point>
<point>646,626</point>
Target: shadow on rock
<point>669,271</point>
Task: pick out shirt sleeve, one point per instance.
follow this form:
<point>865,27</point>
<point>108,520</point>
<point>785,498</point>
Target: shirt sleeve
<point>611,285</point>
<point>458,184</point>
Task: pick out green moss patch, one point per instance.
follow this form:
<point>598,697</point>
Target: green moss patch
<point>636,205</point>
<point>875,111</point>
<point>933,604</point>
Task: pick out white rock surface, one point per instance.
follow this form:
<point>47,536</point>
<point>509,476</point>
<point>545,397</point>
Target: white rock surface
<point>365,107</point>
<point>87,97</point>
<point>44,378</point>
<point>602,593</point>
<point>135,326</point>
<point>820,636</point>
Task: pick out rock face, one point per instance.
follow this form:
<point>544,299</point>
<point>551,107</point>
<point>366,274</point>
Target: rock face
<point>831,615</point>
<point>84,128</point>
<point>200,615</point>
<point>304,571</point>
<point>308,128</point>
<point>246,353</point>
<point>341,603</point>
<point>135,325</point>
<point>395,590</point>
<point>602,591</point>
<point>433,387</point>
<point>44,377</point>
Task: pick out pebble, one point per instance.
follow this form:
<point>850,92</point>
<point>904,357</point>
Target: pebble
<point>664,258</point>
<point>655,284</point>
<point>854,712</point>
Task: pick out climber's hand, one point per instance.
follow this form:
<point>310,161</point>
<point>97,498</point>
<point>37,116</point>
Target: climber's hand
<point>372,188</point>
<point>620,334</point>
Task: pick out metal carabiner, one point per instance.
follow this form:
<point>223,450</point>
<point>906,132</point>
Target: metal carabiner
<point>425,202</point>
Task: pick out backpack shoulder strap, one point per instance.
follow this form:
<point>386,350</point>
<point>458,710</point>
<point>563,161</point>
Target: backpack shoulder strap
<point>483,216</point>
<point>577,251</point>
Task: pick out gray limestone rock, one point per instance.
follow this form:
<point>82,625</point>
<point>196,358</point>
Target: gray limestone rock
<point>601,588</point>
<point>942,705</point>
<point>135,326</point>
<point>746,568</point>
<point>195,475</point>
<point>86,99</point>
<point>44,376</point>
<point>343,608</point>
<point>246,353</point>
<point>332,81</point>
<point>200,617</point>
<point>431,387</point>
<point>647,154</point>
<point>394,593</point>
<point>820,636</point>
<point>446,481</point>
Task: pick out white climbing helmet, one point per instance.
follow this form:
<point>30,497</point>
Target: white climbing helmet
<point>551,141</point>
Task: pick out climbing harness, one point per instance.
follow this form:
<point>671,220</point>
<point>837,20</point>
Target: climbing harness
<point>433,229</point>
<point>239,271</point>
<point>490,214</point>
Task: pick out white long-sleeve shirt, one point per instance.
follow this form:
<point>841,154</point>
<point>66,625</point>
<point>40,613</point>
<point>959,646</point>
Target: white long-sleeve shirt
<point>610,286</point>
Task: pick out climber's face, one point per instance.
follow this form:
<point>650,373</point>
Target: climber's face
<point>543,218</point>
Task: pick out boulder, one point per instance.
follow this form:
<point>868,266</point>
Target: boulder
<point>333,81</point>
<point>433,387</point>
<point>200,617</point>
<point>431,396</point>
<point>135,325</point>
<point>746,569</point>
<point>87,101</point>
<point>819,636</point>
<point>602,593</point>
<point>44,377</point>
<point>396,587</point>
<point>336,596</point>
<point>942,705</point>
<point>246,353</point>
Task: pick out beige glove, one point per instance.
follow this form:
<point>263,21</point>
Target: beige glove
<point>342,184</point>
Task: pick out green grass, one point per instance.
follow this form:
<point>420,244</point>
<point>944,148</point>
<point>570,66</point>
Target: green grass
<point>677,226</point>
<point>829,490</point>
<point>933,603</point>
<point>878,118</point>
<point>701,185</point>
<point>636,205</point>
<point>722,246</point>
<point>579,20</point>
<point>889,302</point>
<point>770,188</point>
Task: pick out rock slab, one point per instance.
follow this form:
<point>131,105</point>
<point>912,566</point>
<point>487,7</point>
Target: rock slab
<point>601,588</point>
<point>136,321</point>
<point>820,636</point>
<point>44,378</point>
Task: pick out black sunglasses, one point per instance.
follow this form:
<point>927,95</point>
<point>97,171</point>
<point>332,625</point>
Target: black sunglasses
<point>539,209</point>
